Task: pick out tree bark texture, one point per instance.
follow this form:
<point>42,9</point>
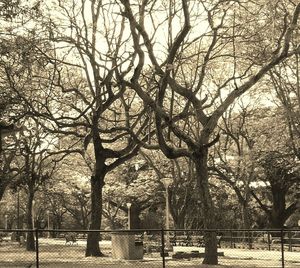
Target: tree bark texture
<point>97,183</point>
<point>207,205</point>
<point>93,248</point>
<point>135,221</point>
<point>277,215</point>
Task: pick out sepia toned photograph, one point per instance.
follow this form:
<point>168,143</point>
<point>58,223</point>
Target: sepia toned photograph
<point>150,133</point>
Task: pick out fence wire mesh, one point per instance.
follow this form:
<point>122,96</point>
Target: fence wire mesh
<point>13,250</point>
<point>148,248</point>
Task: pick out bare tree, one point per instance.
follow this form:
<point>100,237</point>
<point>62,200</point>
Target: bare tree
<point>79,94</point>
<point>206,67</point>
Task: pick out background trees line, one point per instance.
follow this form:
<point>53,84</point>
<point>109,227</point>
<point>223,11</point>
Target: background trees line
<point>104,80</point>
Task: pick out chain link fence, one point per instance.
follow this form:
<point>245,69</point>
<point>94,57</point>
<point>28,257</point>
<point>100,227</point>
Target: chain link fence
<point>148,248</point>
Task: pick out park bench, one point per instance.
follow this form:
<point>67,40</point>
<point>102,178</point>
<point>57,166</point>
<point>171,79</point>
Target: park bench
<point>191,240</point>
<point>5,237</point>
<point>186,240</point>
<point>81,236</point>
<point>197,240</point>
<point>180,240</point>
<point>292,241</point>
<point>152,238</point>
<point>71,238</point>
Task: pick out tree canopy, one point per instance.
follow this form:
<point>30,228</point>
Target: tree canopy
<point>102,83</point>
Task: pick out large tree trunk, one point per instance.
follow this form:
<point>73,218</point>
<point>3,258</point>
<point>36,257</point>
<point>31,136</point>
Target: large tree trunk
<point>30,245</point>
<point>277,217</point>
<point>97,183</point>
<point>245,215</point>
<point>135,221</point>
<point>207,205</point>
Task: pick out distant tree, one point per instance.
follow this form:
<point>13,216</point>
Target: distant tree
<point>67,193</point>
<point>251,160</point>
<point>232,159</point>
<point>9,103</point>
<point>34,168</point>
<point>279,199</point>
<point>182,188</point>
<point>182,192</point>
<point>136,177</point>
<point>71,199</point>
<point>8,172</point>
<point>285,80</point>
<point>36,160</point>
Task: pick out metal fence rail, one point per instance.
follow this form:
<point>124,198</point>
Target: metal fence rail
<point>149,248</point>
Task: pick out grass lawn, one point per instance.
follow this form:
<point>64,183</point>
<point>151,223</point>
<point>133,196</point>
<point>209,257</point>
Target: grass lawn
<point>55,253</point>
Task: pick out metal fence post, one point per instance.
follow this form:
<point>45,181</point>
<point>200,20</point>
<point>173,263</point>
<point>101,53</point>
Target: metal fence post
<point>290,241</point>
<point>163,247</point>
<point>231,239</point>
<point>269,241</point>
<point>37,247</point>
<point>282,248</point>
<point>249,240</point>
